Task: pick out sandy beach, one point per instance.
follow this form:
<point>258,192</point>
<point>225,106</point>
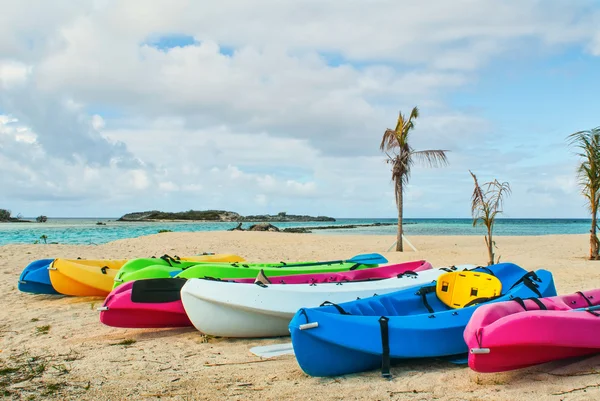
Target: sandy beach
<point>76,357</point>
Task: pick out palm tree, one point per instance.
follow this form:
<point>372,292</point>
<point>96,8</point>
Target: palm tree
<point>401,156</point>
<point>486,204</point>
<point>587,144</point>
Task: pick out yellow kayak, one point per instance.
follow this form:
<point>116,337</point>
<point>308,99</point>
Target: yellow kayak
<point>80,277</point>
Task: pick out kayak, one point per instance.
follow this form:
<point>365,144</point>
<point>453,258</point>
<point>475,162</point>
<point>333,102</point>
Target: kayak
<point>35,278</point>
<point>364,334</point>
<point>151,303</point>
<point>232,310</point>
<point>154,303</point>
<point>83,277</point>
<point>163,267</point>
<point>96,277</point>
<point>244,270</point>
<point>524,332</point>
<point>374,273</point>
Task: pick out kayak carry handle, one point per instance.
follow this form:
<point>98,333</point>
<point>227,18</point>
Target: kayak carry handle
<point>102,308</point>
<point>308,326</point>
<point>480,351</point>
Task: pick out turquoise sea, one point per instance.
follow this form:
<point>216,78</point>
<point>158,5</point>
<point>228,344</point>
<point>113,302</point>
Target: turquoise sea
<point>85,230</point>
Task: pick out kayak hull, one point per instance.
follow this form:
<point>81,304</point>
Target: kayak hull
<point>35,278</point>
<point>335,343</point>
<point>374,273</point>
<point>91,278</point>
<point>97,277</point>
<point>232,310</point>
<point>166,267</point>
<point>119,310</point>
<point>518,336</point>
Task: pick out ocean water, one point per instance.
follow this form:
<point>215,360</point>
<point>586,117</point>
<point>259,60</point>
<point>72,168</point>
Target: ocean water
<point>85,231</point>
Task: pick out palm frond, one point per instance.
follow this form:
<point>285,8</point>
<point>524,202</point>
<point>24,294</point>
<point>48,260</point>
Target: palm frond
<point>432,158</point>
<point>477,199</point>
<point>587,148</point>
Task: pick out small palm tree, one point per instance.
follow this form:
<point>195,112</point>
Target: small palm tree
<point>402,156</point>
<point>587,144</point>
<point>486,204</point>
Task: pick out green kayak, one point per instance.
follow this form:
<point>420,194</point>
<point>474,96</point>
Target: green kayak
<point>139,271</point>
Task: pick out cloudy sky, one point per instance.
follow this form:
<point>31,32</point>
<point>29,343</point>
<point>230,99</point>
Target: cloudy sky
<point>265,106</point>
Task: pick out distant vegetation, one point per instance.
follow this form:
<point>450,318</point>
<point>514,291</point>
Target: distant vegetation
<point>41,219</point>
<point>6,217</point>
<point>218,215</point>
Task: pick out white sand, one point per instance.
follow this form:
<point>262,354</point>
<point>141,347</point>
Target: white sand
<point>170,363</point>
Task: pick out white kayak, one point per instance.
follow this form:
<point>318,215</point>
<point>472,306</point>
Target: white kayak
<point>229,309</point>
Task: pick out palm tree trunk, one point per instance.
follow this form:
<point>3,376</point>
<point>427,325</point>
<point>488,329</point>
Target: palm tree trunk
<point>399,242</point>
<point>490,246</point>
<point>594,243</point>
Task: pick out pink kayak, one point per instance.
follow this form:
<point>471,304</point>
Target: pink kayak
<point>151,303</point>
<point>520,333</point>
<point>155,303</point>
<point>374,273</point>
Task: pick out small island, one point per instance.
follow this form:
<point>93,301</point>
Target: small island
<point>218,216</point>
<point>5,217</point>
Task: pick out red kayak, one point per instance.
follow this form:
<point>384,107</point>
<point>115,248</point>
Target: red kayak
<point>524,332</point>
<point>155,303</point>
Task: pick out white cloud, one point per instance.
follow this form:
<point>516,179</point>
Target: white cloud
<point>286,108</point>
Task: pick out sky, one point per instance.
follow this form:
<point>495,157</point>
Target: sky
<point>108,107</point>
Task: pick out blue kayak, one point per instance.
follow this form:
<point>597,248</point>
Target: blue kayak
<point>36,279</point>
<point>368,333</point>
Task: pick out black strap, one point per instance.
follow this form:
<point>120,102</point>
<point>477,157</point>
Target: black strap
<point>539,303</point>
<point>586,298</point>
<point>528,281</point>
<point>212,278</point>
<point>103,269</point>
<point>423,291</point>
<point>260,284</point>
<point>355,266</point>
<point>593,313</point>
<point>336,306</point>
<point>480,301</point>
<point>385,347</point>
<point>520,302</point>
<point>408,273</point>
<point>170,260</point>
<point>446,269</point>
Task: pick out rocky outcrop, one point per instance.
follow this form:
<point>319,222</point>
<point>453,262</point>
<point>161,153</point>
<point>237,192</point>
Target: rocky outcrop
<point>219,215</point>
<point>263,227</point>
<point>201,215</point>
<point>284,217</point>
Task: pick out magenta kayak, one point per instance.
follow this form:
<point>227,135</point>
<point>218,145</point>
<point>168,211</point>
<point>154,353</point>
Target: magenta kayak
<point>525,332</point>
<point>374,273</point>
<point>125,307</point>
<point>155,303</point>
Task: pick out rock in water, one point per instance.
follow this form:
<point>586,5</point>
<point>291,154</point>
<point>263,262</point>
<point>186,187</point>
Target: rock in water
<point>263,227</point>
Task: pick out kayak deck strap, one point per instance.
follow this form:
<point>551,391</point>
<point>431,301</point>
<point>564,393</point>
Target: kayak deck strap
<point>385,347</point>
